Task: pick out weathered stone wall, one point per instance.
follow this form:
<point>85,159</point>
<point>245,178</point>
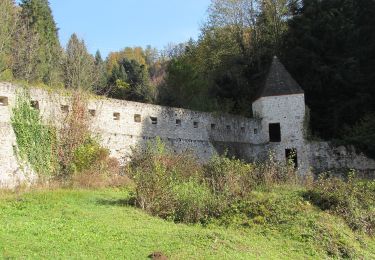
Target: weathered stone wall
<point>338,160</point>
<point>122,125</point>
<point>289,112</point>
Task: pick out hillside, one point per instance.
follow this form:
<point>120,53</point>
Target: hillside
<point>85,224</point>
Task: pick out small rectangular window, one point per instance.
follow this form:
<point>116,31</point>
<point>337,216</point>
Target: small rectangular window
<point>137,118</point>
<point>274,132</point>
<point>242,129</point>
<point>228,127</point>
<point>213,126</point>
<point>34,104</point>
<point>3,101</point>
<point>255,131</point>
<point>92,112</point>
<point>178,122</point>
<point>154,120</point>
<point>64,108</point>
<point>116,116</point>
<point>195,124</point>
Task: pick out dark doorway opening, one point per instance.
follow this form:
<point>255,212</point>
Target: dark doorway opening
<point>291,157</point>
<point>275,133</point>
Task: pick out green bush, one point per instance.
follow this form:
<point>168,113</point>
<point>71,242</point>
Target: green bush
<point>88,154</point>
<point>353,200</point>
<point>194,202</point>
<point>177,187</point>
<point>229,177</point>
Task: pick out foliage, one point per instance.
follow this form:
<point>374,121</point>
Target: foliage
<point>352,200</point>
<point>38,15</point>
<point>130,80</point>
<point>36,140</point>
<point>79,65</point>
<point>362,135</point>
<point>8,19</point>
<point>177,187</point>
<point>327,51</point>
<point>286,210</point>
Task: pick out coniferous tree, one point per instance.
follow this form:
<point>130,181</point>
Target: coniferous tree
<point>79,65</point>
<point>8,19</point>
<point>38,14</point>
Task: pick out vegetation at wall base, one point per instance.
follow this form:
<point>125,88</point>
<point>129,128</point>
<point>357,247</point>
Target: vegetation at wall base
<point>228,192</point>
<point>36,140</point>
<point>69,152</point>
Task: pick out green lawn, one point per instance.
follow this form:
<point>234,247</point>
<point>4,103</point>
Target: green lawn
<point>83,224</point>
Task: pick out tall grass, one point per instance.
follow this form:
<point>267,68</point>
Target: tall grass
<point>177,187</point>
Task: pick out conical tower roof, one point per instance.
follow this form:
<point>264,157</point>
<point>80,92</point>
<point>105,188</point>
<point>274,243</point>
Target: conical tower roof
<point>279,82</point>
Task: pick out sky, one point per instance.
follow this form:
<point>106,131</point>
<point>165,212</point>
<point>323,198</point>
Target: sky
<point>111,25</point>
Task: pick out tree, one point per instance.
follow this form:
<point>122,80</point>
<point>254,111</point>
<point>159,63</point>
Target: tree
<point>38,15</point>
<point>129,80</point>
<point>100,71</point>
<point>25,55</point>
<point>8,19</point>
<point>79,65</point>
<point>330,49</point>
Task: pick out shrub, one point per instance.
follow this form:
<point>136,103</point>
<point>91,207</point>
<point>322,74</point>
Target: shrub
<point>194,202</point>
<point>157,174</point>
<point>177,187</point>
<point>353,200</point>
<point>229,177</point>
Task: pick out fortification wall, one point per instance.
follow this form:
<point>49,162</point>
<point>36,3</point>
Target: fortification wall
<point>327,157</point>
<point>122,125</point>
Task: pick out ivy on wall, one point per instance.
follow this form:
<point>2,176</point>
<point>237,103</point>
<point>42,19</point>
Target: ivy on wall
<point>36,141</point>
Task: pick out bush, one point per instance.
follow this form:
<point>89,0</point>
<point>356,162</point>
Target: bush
<point>177,187</point>
<point>231,178</point>
<point>158,175</point>
<point>353,200</point>
<point>194,202</point>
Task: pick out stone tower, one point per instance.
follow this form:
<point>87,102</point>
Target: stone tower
<point>281,107</point>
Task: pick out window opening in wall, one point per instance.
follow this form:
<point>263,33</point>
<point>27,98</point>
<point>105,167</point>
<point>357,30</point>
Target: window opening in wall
<point>154,120</point>
<point>291,157</point>
<point>92,112</point>
<point>242,129</point>
<point>34,104</point>
<point>274,132</point>
<point>3,101</point>
<point>65,108</point>
<point>116,116</point>
<point>178,122</point>
<point>195,124</point>
<point>228,127</point>
<point>213,126</point>
<point>255,131</point>
<point>137,118</point>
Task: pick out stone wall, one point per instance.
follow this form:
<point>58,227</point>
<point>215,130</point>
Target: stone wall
<point>338,160</point>
<point>122,125</point>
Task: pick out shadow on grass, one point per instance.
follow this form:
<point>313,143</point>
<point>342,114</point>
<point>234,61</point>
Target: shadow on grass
<point>131,201</point>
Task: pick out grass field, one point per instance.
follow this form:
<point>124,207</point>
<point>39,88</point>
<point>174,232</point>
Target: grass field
<point>82,224</point>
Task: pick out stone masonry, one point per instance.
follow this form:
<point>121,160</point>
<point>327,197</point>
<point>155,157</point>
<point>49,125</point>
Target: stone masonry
<point>277,126</point>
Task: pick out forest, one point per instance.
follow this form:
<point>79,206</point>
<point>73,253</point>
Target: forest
<point>327,45</point>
